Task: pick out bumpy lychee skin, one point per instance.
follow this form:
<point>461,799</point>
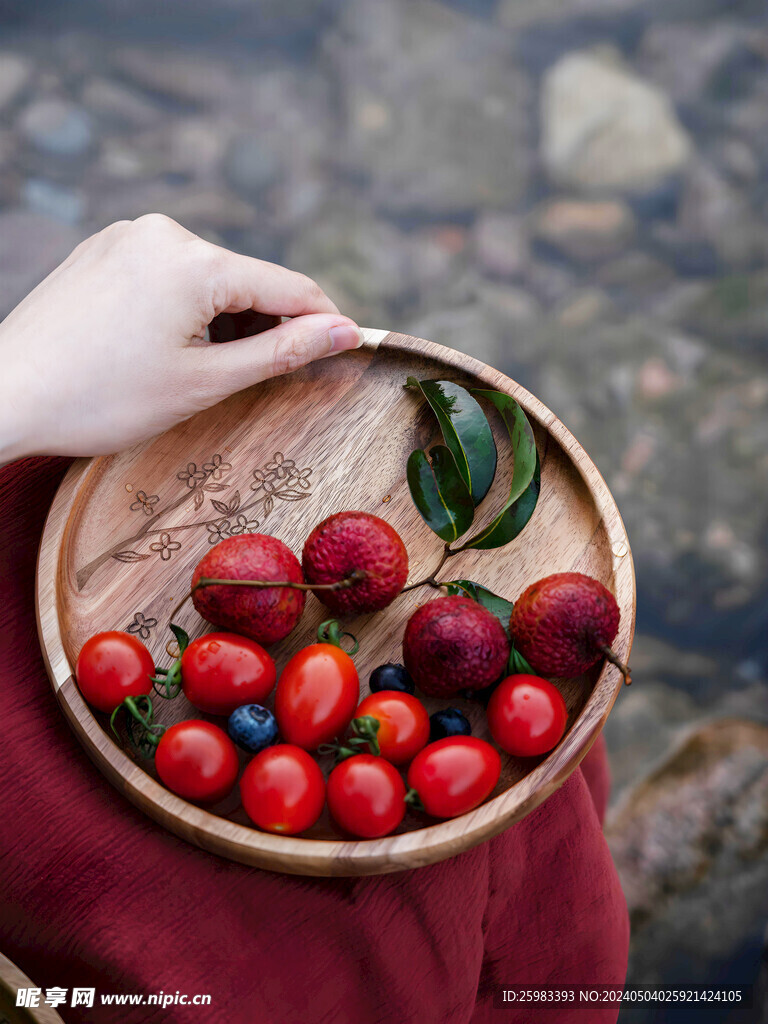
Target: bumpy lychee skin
<point>453,644</point>
<point>266,615</point>
<point>350,542</point>
<point>563,623</point>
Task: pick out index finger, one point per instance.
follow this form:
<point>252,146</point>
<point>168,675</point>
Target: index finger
<point>244,282</point>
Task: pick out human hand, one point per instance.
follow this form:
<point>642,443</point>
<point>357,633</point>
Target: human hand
<point>110,348</point>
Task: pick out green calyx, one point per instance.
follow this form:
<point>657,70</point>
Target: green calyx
<point>167,682</point>
<point>362,741</point>
<point>143,732</point>
<point>330,632</point>
<point>413,800</point>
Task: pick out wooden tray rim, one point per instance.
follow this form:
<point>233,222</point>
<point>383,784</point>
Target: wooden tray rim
<point>324,857</point>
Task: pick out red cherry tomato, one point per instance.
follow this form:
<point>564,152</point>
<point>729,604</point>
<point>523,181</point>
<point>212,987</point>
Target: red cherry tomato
<point>403,724</point>
<point>453,775</point>
<point>112,666</point>
<point>283,790</point>
<point>316,696</point>
<point>366,796</point>
<point>526,715</point>
<point>197,760</point>
<point>222,671</point>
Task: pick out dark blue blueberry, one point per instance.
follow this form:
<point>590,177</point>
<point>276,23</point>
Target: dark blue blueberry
<point>448,722</point>
<point>252,727</point>
<point>391,677</point>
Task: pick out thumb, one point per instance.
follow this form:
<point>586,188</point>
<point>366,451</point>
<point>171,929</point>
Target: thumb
<point>286,347</point>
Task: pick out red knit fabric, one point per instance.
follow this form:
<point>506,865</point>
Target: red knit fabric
<point>94,894</point>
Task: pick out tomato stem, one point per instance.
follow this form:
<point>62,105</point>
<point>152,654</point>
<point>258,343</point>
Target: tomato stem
<point>413,800</point>
<point>330,632</point>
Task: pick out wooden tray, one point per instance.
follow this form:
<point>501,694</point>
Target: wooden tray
<point>125,532</point>
<point>11,980</point>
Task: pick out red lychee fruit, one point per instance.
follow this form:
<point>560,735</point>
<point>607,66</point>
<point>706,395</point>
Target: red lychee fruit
<point>565,623</point>
<point>453,644</point>
<point>267,614</point>
<point>359,543</point>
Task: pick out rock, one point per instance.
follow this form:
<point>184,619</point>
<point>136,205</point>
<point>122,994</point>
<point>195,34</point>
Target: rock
<point>428,118</point>
<point>188,76</point>
<point>30,246</point>
<point>705,46</point>
<point>644,724</point>
<point>501,244</point>
<point>361,257</point>
<point>118,104</point>
<point>714,212</point>
<point>588,306</point>
<point>464,328</point>
<point>690,846</point>
<point>15,74</point>
<point>603,128</point>
<point>57,127</point>
<point>733,309</point>
<point>583,231</point>
<point>251,165</point>
<point>54,200</point>
<point>635,275</point>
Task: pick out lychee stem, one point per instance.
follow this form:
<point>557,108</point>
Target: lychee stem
<point>209,581</point>
<point>615,660</point>
<point>432,580</point>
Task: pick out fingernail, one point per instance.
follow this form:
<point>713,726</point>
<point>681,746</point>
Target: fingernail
<point>345,337</point>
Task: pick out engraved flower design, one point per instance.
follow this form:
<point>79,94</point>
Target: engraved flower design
<point>243,525</point>
<point>192,475</point>
<point>218,531</point>
<point>165,546</point>
<point>145,502</point>
<point>216,467</point>
<point>280,466</point>
<point>142,626</point>
<point>263,481</point>
<point>301,478</point>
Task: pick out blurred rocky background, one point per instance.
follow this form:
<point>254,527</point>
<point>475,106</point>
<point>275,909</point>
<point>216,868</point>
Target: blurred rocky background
<point>575,191</point>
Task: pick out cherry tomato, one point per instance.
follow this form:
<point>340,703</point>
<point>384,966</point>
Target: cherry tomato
<point>403,724</point>
<point>453,775</point>
<point>197,760</point>
<point>283,790</point>
<point>316,695</point>
<point>222,671</point>
<point>526,715</point>
<point>112,666</point>
<point>366,796</point>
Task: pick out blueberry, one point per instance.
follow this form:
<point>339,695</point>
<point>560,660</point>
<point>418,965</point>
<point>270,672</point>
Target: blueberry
<point>252,727</point>
<point>448,722</point>
<point>391,677</point>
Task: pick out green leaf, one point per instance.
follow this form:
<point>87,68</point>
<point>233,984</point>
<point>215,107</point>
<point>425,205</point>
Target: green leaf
<point>500,607</point>
<point>526,477</point>
<point>466,432</point>
<point>439,493</point>
<point>517,664</point>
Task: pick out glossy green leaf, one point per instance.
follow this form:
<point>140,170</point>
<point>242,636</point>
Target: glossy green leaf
<point>517,665</point>
<point>465,430</point>
<point>439,493</point>
<point>500,607</point>
<point>526,474</point>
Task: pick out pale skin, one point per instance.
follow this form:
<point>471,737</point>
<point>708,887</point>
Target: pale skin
<point>110,348</point>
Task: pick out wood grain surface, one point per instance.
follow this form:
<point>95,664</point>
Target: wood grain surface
<point>11,980</point>
<point>125,532</point>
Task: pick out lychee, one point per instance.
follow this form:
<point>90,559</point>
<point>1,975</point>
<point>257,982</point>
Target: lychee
<point>563,624</point>
<point>359,547</point>
<point>266,614</point>
<point>453,644</point>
